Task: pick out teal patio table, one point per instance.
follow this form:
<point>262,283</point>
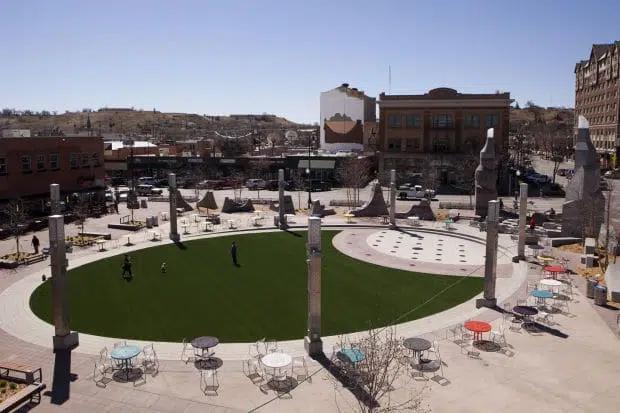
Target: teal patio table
<point>351,355</point>
<point>124,354</point>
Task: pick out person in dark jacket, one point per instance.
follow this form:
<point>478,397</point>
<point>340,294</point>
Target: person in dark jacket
<point>127,274</point>
<point>233,253</point>
<point>35,244</point>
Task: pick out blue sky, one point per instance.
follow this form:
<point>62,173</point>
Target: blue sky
<point>276,56</point>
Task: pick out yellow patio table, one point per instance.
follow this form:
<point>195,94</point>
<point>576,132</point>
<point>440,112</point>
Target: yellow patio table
<point>349,218</point>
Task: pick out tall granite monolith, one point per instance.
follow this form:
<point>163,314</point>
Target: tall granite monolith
<point>312,341</point>
<point>281,219</point>
<point>172,187</point>
<point>522,220</point>
<point>393,198</point>
<point>486,176</point>
<point>490,261</point>
<point>54,199</point>
<point>582,212</point>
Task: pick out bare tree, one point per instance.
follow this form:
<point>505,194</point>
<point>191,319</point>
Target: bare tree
<point>17,216</point>
<point>429,173</point>
<point>81,209</point>
<point>354,174</point>
<point>238,182</point>
<point>556,141</point>
<point>259,168</point>
<point>382,379</point>
<point>607,240</point>
<point>465,167</point>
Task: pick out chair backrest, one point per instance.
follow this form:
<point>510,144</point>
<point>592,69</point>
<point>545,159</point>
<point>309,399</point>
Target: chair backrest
<point>436,345</point>
<point>103,354</point>
<point>120,343</point>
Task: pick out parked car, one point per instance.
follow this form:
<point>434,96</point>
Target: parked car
<point>415,192</point>
<point>272,185</point>
<point>613,174</point>
<point>552,189</point>
<point>317,185</point>
<point>254,184</point>
<point>148,190</point>
<point>211,184</point>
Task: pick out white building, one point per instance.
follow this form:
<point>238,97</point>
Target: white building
<point>346,116</point>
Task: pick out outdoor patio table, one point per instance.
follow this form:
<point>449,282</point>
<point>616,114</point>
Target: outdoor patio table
<point>231,224</point>
<point>351,355</point>
<point>478,327</point>
<point>417,345</point>
<point>545,259</point>
<point>204,343</point>
<point>349,218</point>
<point>541,296</point>
<point>125,354</point>
<point>385,219</point>
<point>553,284</point>
<point>526,311</point>
<point>554,270</point>
<point>276,361</point>
<point>448,223</point>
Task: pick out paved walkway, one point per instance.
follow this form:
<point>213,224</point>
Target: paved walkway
<point>571,368</point>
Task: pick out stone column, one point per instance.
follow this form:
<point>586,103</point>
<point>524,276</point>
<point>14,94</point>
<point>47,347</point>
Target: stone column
<point>393,198</point>
<point>55,199</point>
<point>312,341</point>
<point>281,198</point>
<point>522,219</point>
<point>490,263</point>
<point>172,189</point>
<point>63,339</point>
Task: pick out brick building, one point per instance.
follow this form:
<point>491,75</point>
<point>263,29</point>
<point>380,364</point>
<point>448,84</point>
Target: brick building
<point>428,133</point>
<point>29,165</point>
<point>597,97</point>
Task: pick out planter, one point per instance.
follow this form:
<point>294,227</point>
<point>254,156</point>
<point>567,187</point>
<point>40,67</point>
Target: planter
<point>8,264</point>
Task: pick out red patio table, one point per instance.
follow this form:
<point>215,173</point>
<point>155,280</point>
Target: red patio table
<point>554,270</point>
<point>477,327</point>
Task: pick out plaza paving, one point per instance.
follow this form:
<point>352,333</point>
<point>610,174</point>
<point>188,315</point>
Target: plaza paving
<point>573,367</point>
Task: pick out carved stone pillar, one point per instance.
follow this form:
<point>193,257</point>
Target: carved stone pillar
<point>312,341</point>
<point>490,263</point>
<point>281,198</point>
<point>172,189</point>
<point>522,220</point>
<point>393,198</point>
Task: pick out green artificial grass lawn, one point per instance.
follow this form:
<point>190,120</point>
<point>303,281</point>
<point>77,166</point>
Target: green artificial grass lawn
<point>202,293</point>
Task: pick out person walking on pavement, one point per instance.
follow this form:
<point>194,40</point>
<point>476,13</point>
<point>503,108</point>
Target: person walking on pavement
<point>35,244</point>
<point>532,224</point>
<point>233,253</point>
<point>127,274</point>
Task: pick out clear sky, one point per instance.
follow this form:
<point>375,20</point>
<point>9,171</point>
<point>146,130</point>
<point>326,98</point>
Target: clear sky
<point>276,56</point>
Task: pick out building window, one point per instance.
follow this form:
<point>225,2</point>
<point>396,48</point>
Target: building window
<point>394,145</point>
<point>491,121</point>
<point>84,159</point>
<point>442,121</point>
<point>413,145</point>
<point>441,144</point>
<point>95,159</point>
<point>41,162</point>
<point>2,166</point>
<point>26,164</point>
<point>414,121</point>
<point>395,121</point>
<point>472,121</point>
<point>73,160</point>
<point>54,159</point>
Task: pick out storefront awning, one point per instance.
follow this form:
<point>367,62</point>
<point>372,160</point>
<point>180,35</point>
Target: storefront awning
<point>316,164</point>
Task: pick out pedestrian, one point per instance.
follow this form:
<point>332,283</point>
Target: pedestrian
<point>501,204</point>
<point>127,274</point>
<point>532,224</point>
<point>35,244</point>
<point>515,205</point>
<point>116,205</point>
<point>164,267</point>
<point>233,253</point>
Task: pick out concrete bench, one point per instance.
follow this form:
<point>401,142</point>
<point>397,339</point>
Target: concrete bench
<point>22,372</point>
<point>30,393</point>
<point>33,259</point>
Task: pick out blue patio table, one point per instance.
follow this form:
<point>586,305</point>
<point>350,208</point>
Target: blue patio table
<point>125,354</point>
<point>351,355</point>
<point>541,296</point>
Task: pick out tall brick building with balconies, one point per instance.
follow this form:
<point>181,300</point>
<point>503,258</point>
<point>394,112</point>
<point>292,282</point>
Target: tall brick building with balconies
<point>437,128</point>
<point>597,97</point>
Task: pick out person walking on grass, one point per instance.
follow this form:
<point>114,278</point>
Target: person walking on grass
<point>35,244</point>
<point>127,274</point>
<point>233,253</point>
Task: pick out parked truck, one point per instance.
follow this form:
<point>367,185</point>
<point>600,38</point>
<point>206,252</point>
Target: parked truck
<point>414,192</point>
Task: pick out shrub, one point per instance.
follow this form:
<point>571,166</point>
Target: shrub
<point>12,386</point>
<point>3,383</point>
<point>3,390</point>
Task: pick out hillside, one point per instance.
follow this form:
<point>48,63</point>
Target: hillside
<point>539,115</point>
<point>142,123</point>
